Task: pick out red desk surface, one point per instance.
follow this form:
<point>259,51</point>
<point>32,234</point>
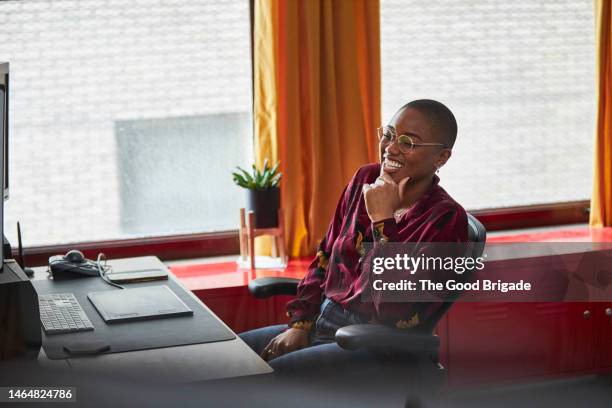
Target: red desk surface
<point>228,275</point>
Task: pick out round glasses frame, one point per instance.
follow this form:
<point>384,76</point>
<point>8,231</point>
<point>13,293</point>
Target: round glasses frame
<point>387,134</point>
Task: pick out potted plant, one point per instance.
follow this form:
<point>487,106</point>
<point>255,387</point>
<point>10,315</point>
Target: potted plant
<point>263,193</point>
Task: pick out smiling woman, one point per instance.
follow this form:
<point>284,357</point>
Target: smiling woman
<point>417,142</point>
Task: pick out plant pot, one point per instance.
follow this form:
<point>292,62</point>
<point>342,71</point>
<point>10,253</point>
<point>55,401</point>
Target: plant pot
<point>265,204</point>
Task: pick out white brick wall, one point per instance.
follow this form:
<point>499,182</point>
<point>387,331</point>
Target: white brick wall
<point>519,77</point>
<point>78,66</point>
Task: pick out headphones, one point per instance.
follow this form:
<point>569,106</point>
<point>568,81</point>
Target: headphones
<point>75,256</point>
<point>75,262</point>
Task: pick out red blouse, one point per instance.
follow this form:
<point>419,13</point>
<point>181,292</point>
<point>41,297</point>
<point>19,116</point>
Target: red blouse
<point>336,272</point>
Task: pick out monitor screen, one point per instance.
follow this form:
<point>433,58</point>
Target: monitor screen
<point>4,96</point>
<point>4,128</point>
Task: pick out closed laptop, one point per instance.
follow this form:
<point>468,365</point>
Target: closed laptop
<point>151,302</point>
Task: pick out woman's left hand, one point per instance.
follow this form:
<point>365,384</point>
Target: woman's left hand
<point>382,197</point>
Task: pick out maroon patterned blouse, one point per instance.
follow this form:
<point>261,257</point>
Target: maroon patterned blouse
<point>336,272</point>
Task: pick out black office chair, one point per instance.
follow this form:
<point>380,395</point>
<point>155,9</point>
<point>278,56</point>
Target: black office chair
<point>419,341</point>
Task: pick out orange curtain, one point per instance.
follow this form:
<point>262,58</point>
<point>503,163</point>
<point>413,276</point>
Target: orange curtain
<point>317,103</point>
<point>601,201</point>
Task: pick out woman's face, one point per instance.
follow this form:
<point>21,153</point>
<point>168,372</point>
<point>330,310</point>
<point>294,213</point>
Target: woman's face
<point>420,162</point>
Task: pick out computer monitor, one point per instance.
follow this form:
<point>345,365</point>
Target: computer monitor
<point>4,129</point>
<point>4,121</point>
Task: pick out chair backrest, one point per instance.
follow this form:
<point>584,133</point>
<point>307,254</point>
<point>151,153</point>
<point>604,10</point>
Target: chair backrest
<point>477,236</point>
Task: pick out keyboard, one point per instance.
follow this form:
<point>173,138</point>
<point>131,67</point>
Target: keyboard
<point>62,313</point>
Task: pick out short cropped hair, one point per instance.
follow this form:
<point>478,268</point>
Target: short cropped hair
<point>441,118</point>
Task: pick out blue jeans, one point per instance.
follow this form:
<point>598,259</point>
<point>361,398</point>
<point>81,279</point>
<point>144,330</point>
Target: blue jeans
<point>323,354</point>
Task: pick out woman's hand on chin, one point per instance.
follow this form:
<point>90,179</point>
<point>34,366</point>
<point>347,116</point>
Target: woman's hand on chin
<point>383,197</point>
<point>286,342</point>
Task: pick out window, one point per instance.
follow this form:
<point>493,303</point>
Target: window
<point>519,77</point>
<point>126,117</point>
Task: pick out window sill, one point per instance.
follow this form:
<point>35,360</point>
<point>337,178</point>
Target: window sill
<point>223,273</point>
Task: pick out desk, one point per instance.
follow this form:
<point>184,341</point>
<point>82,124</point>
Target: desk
<point>188,363</point>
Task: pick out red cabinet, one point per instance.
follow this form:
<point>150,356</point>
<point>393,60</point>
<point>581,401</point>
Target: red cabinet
<point>492,342</point>
<point>241,311</point>
<point>604,312</point>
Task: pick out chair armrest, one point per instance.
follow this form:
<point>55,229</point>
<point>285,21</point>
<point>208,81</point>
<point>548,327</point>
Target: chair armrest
<point>378,336</point>
<point>265,287</point>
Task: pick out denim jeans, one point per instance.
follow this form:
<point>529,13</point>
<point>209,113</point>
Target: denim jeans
<point>323,354</point>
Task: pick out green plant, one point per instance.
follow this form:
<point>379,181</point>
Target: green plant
<point>258,180</point>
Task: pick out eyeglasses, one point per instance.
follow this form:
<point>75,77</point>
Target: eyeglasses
<point>387,135</point>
